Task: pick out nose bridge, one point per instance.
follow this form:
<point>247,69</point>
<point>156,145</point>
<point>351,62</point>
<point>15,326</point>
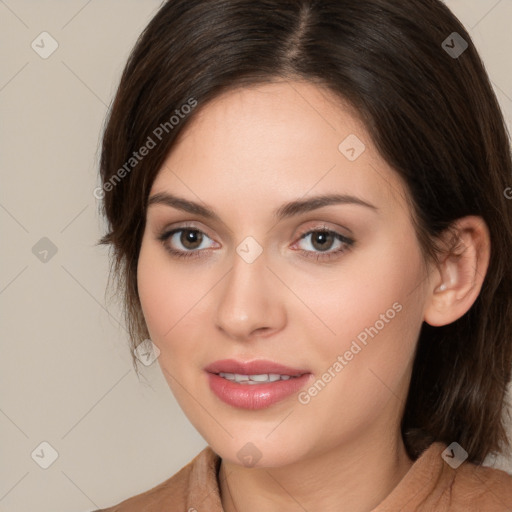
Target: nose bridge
<point>248,301</point>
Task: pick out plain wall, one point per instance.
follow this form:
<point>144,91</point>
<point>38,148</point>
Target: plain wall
<point>66,377</point>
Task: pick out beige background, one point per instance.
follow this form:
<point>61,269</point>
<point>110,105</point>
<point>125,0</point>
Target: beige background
<point>65,372</point>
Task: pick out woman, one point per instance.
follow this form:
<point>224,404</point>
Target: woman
<point>307,202</point>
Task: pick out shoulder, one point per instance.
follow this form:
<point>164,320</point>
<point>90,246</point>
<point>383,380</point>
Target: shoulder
<point>482,488</point>
<point>437,481</point>
<point>178,491</point>
<point>465,486</point>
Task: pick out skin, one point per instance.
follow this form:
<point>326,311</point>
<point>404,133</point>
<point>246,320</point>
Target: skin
<point>244,154</point>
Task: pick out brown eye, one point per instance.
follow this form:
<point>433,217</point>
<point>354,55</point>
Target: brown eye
<point>323,244</point>
<point>322,240</point>
<point>185,242</point>
<point>191,238</point>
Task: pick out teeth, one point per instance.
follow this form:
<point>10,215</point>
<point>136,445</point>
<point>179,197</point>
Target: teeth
<point>254,379</point>
<point>261,378</point>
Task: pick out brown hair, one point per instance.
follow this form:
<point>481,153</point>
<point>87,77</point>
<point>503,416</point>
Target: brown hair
<point>432,115</point>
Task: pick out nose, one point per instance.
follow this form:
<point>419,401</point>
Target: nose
<point>250,301</point>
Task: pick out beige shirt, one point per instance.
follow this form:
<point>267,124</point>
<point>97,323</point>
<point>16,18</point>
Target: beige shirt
<point>431,485</point>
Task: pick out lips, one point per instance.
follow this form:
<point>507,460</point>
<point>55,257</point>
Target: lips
<point>253,368</point>
<point>228,380</point>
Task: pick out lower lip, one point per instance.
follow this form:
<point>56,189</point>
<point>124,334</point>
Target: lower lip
<point>255,396</point>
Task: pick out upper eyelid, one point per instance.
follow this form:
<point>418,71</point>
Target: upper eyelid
<point>192,226</point>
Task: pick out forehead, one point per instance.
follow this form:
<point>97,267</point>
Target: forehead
<point>265,144</point>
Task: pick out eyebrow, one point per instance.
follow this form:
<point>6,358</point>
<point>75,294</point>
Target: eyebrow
<point>287,210</point>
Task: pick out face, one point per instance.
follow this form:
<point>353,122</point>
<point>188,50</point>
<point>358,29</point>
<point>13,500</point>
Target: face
<point>332,291</point>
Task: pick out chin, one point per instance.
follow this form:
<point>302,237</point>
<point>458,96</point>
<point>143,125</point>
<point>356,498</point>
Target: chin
<point>258,453</point>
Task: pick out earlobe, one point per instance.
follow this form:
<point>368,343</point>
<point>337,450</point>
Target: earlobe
<point>461,273</point>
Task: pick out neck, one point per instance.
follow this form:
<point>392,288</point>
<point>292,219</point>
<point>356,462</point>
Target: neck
<point>354,477</point>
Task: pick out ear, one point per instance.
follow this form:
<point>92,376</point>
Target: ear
<point>460,273</point>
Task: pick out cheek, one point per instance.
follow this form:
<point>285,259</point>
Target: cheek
<point>377,317</point>
<point>374,292</point>
<point>159,292</point>
<point>171,299</point>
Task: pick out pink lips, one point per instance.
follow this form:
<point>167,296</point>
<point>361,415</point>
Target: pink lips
<point>252,368</point>
<point>254,396</point>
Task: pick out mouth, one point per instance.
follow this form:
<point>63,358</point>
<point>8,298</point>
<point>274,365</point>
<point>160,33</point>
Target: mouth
<point>256,384</point>
<point>258,369</point>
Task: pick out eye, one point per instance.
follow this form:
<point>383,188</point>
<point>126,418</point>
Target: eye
<point>323,239</point>
<point>188,237</point>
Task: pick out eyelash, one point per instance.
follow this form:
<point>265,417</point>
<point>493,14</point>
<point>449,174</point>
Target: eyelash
<point>318,256</point>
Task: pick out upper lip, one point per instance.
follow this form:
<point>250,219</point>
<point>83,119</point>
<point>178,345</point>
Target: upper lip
<point>258,367</point>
